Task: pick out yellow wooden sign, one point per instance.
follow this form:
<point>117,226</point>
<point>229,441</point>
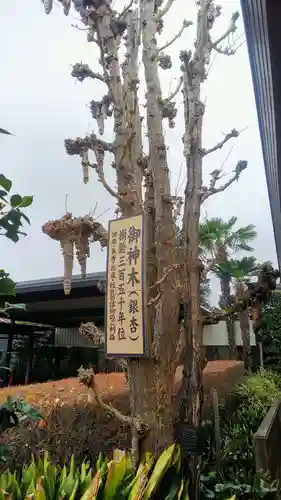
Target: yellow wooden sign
<point>125,296</point>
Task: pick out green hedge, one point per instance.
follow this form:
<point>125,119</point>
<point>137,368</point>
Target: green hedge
<point>240,419</point>
<point>269,333</point>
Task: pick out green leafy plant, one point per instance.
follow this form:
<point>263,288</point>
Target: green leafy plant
<point>14,412</point>
<point>250,402</point>
<point>269,332</point>
<point>11,214</point>
<point>111,480</point>
<point>11,221</point>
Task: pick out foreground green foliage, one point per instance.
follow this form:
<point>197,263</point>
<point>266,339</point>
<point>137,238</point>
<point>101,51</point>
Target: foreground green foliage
<point>11,221</point>
<point>112,480</point>
<point>251,401</point>
<point>269,332</point>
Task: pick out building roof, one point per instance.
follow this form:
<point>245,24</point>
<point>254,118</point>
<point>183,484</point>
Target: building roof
<point>263,34</point>
<point>47,304</point>
<point>56,283</point>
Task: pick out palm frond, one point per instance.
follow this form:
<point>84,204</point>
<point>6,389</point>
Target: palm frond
<point>205,292</point>
<point>4,131</point>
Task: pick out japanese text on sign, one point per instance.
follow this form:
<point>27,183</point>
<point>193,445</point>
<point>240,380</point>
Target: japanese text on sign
<point>125,289</point>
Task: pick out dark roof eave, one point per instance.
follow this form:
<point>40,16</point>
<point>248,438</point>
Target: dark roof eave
<point>56,283</point>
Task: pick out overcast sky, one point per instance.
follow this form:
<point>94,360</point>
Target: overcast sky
<point>42,105</point>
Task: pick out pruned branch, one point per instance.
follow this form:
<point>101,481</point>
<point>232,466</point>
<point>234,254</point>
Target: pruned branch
<point>233,133</point>
<point>167,271</point>
<point>161,13</point>
<point>258,293</point>
<point>98,167</point>
<point>175,92</point>
<point>227,51</point>
<point>155,299</point>
<point>137,425</point>
<point>241,165</point>
<point>82,71</point>
<point>87,378</point>
<point>101,179</point>
<point>185,24</point>
<point>79,145</point>
<point>125,10</point>
<point>231,29</point>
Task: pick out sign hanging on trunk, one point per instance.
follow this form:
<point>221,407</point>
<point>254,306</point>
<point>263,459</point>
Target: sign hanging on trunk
<point>125,294</point>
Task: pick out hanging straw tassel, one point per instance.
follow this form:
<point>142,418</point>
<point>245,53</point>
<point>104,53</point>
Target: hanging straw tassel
<point>67,252</point>
<point>82,253</point>
<point>85,166</point>
<point>48,5</point>
<point>66,6</point>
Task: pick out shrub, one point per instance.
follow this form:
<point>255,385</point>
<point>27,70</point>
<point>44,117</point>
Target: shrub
<point>269,332</point>
<point>253,398</point>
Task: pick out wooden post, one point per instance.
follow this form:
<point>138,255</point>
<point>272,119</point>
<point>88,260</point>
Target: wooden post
<point>30,357</point>
<point>217,428</point>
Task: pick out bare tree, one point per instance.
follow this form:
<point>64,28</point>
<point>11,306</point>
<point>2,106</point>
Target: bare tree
<point>143,186</point>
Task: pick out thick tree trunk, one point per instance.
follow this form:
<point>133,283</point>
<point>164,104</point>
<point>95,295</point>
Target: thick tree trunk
<point>155,393</point>
<point>153,402</point>
<point>194,74</point>
<point>245,330</point>
<point>150,380</point>
<point>226,302</point>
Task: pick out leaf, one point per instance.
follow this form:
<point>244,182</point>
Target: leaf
<point>3,194</point>
<point>5,183</point>
<point>141,477</point>
<point>24,216</point>
<point>4,131</point>
<point>162,465</point>
<point>92,492</point>
<point>15,200</point>
<point>115,477</point>
<point>7,286</point>
<point>26,201</point>
<point>12,235</point>
<point>40,494</point>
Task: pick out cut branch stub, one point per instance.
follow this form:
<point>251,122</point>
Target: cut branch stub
<point>164,61</point>
<point>78,231</point>
<point>79,145</point>
<point>82,71</point>
<point>100,111</point>
<point>92,333</point>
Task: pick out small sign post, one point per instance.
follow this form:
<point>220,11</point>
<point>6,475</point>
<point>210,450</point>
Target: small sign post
<point>125,294</point>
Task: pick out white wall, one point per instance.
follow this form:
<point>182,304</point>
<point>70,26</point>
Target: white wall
<point>217,334</point>
<point>213,335</point>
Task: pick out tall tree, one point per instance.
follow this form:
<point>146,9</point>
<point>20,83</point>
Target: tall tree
<point>219,239</point>
<point>239,271</point>
<point>143,186</point>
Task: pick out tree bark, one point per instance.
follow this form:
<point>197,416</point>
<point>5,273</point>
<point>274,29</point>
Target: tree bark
<point>245,328</point>
<point>161,235</point>
<point>226,302</point>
